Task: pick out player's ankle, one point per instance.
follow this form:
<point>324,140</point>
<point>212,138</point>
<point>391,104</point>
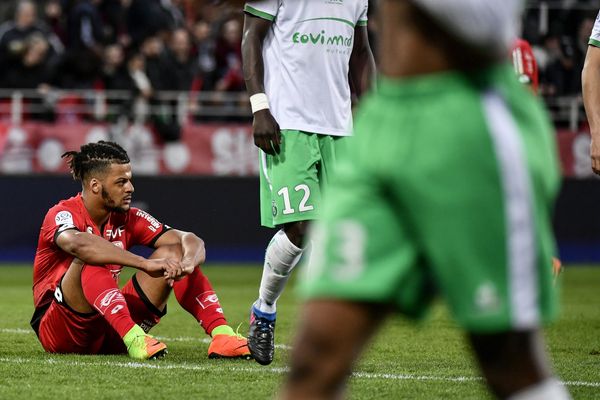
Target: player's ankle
<point>222,330</point>
<point>265,308</point>
<point>134,332</point>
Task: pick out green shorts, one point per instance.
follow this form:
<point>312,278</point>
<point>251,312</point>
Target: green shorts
<point>448,189</point>
<point>292,182</point>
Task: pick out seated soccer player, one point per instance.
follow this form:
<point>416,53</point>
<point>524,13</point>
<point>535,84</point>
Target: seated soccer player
<point>82,248</point>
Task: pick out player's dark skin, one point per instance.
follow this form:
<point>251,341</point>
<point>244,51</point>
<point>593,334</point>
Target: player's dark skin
<point>332,333</point>
<point>176,255</point>
<point>266,131</point>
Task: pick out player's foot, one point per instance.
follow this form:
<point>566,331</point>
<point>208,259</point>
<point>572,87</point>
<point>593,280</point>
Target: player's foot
<point>261,336</point>
<point>229,346</point>
<point>142,346</point>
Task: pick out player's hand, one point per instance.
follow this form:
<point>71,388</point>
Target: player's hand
<point>163,267</point>
<point>188,266</point>
<point>595,154</point>
<point>267,135</point>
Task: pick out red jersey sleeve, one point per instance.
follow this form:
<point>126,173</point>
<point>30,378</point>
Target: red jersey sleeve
<point>59,219</point>
<point>525,64</point>
<point>143,228</point>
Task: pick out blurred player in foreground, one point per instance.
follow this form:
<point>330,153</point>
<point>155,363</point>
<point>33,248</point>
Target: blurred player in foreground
<point>448,188</point>
<point>300,60</point>
<point>82,248</point>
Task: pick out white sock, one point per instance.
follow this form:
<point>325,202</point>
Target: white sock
<point>280,258</point>
<point>550,389</point>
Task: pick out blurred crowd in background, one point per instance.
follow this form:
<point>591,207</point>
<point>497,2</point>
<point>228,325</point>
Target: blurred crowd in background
<point>148,46</point>
<point>559,33</point>
<point>142,45</point>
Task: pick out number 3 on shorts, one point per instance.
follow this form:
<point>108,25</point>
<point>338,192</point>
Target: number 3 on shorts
<point>302,207</point>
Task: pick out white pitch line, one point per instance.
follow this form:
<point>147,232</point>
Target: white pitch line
<point>159,365</point>
<point>166,339</point>
<point>16,330</point>
<point>358,374</point>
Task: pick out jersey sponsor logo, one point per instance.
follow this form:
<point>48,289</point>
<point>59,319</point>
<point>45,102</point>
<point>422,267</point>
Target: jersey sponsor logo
<point>64,218</point>
<point>154,224</point>
<point>208,299</point>
<point>107,299</point>
<point>322,39</point>
<point>112,234</point>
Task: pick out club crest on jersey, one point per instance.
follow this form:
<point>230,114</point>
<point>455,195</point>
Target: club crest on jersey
<point>208,299</point>
<point>64,218</point>
<point>274,209</point>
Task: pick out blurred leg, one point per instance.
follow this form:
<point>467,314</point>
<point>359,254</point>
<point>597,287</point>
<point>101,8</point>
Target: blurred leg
<point>330,338</point>
<point>515,364</point>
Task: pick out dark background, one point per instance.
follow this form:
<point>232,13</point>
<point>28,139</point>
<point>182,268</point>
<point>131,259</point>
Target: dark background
<point>225,213</point>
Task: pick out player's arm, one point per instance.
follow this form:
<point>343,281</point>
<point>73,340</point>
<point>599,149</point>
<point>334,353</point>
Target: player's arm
<point>590,78</point>
<point>94,250</point>
<point>192,246</point>
<point>362,62</point>
<point>264,127</point>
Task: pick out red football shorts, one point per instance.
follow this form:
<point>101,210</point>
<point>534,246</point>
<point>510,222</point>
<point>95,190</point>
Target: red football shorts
<point>63,330</point>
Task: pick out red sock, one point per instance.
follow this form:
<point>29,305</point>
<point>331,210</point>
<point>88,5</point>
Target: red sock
<point>102,292</point>
<point>196,296</point>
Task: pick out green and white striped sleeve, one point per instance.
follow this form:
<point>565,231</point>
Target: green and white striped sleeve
<point>595,38</point>
<point>265,9</point>
<point>362,19</point>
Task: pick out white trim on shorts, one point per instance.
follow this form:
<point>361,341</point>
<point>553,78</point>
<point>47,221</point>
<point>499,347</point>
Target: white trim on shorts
<point>521,243</point>
<point>263,163</point>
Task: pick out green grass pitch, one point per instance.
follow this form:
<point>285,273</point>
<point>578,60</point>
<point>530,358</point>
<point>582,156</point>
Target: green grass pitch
<point>405,361</point>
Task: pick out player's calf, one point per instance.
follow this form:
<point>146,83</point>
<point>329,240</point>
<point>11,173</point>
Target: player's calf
<point>515,365</point>
<point>321,362</point>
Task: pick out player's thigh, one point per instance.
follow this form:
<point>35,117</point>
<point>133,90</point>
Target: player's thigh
<point>63,330</point>
<point>290,188</point>
<point>482,222</point>
<point>332,149</point>
<point>363,250</point>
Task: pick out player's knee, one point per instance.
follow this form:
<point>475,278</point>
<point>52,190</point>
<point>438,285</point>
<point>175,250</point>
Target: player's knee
<point>173,251</point>
<point>296,232</point>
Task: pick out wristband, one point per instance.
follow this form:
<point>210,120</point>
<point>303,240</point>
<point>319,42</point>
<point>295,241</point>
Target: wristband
<point>259,101</point>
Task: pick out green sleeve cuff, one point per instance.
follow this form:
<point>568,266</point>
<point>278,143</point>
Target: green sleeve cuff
<point>258,13</point>
<point>594,42</point>
<point>362,23</point>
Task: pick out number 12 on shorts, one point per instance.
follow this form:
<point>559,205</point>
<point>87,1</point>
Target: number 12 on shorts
<point>284,192</point>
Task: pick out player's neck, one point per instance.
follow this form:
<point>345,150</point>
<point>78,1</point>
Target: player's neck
<point>406,58</point>
<point>95,209</point>
<point>408,50</point>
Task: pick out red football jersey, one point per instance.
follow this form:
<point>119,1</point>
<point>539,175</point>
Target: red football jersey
<point>135,227</point>
<point>525,64</point>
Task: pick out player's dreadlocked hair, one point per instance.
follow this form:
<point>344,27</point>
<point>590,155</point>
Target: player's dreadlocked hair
<point>94,158</point>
